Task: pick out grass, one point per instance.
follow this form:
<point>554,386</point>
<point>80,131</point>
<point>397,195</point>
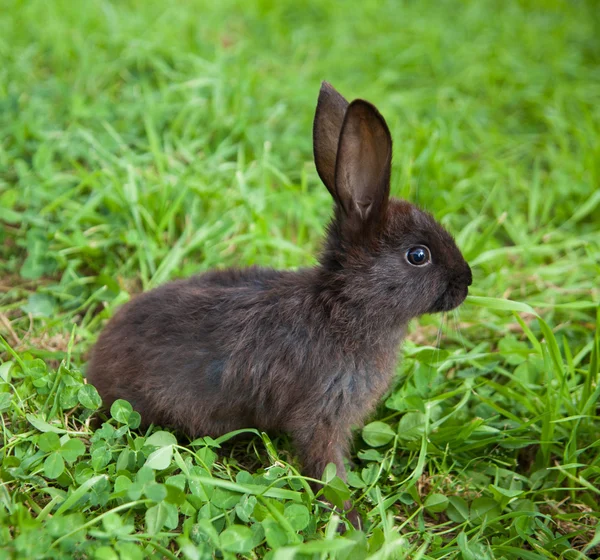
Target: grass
<point>144,141</point>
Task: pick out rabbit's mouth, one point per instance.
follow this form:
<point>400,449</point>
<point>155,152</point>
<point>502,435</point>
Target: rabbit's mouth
<point>450,299</point>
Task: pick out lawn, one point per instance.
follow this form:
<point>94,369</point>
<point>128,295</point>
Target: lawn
<point>142,141</point>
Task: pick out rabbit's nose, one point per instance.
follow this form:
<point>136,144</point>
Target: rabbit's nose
<point>465,276</point>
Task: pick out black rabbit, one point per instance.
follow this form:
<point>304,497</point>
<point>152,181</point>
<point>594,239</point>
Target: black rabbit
<point>308,352</point>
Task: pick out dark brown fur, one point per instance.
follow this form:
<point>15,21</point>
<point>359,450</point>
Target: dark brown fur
<point>307,352</point>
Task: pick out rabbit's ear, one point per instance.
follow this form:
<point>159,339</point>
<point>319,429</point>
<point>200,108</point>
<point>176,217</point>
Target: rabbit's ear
<point>329,116</point>
<point>363,163</point>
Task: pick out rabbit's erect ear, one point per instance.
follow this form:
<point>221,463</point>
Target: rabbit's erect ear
<point>363,162</point>
<point>329,117</point>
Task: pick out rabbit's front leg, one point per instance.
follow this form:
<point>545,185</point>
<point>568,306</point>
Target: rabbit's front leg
<point>320,444</point>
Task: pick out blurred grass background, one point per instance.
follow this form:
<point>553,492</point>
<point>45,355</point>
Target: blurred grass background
<point>143,141</point>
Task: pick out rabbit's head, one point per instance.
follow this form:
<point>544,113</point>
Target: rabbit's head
<point>387,249</point>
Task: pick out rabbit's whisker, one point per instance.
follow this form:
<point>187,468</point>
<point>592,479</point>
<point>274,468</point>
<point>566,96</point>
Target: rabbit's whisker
<point>461,338</point>
<point>438,339</point>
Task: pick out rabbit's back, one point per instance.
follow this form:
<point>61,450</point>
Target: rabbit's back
<point>166,351</point>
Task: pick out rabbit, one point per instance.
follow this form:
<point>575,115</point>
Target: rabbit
<point>307,352</point>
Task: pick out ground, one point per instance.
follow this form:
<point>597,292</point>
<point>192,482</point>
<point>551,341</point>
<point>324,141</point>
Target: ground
<point>145,141</point>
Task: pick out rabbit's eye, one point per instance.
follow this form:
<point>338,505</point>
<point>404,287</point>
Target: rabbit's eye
<point>418,256</point>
